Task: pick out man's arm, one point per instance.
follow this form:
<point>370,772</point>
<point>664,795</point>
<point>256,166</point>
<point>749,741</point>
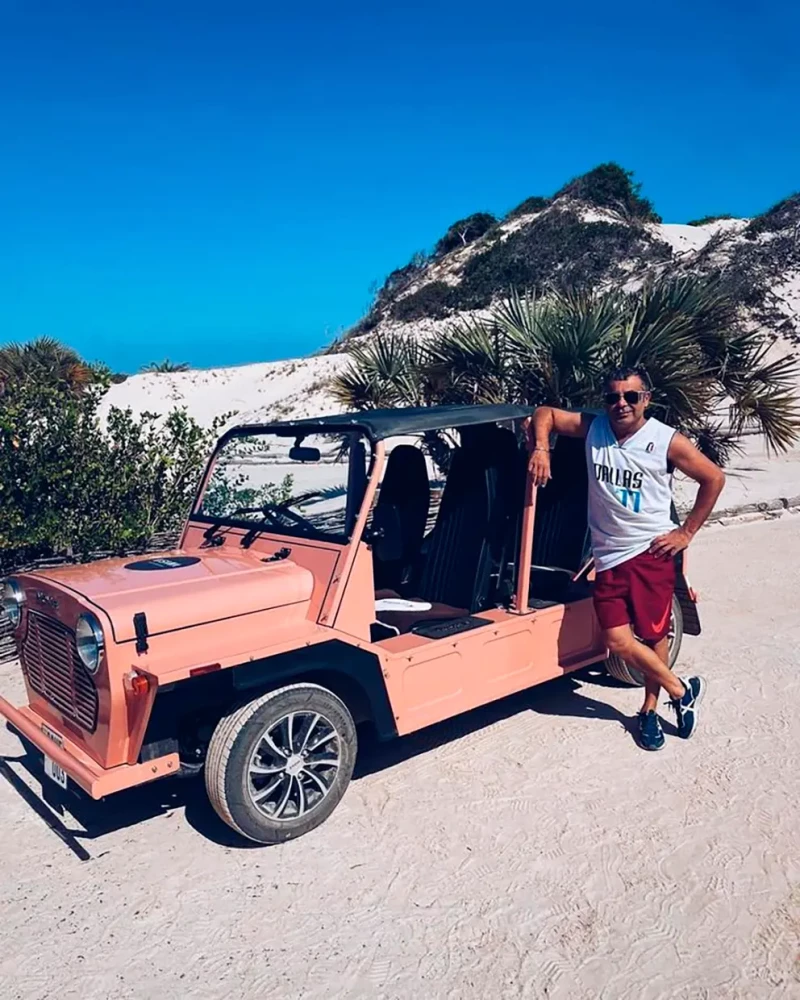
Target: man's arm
<point>544,422</point>
<point>570,423</point>
<point>711,479</point>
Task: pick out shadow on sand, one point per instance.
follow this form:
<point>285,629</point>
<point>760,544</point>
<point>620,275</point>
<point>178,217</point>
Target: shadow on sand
<point>566,696</point>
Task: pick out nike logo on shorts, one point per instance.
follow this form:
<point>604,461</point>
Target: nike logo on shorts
<point>659,626</point>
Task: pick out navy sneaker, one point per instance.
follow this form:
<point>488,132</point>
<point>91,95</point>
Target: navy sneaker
<point>686,707</point>
<point>649,729</point>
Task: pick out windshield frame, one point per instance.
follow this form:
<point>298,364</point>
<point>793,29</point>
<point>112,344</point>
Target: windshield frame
<point>354,503</point>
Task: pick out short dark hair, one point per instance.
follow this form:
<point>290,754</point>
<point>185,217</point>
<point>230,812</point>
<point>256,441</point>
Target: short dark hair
<point>623,372</point>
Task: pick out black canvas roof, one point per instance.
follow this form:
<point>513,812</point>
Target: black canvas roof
<point>411,420</point>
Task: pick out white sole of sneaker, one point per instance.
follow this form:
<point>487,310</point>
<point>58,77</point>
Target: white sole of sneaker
<point>698,698</point>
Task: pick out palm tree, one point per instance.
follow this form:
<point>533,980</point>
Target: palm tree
<point>712,378</point>
<point>47,362</point>
<point>385,372</point>
<point>164,367</point>
<point>393,371</point>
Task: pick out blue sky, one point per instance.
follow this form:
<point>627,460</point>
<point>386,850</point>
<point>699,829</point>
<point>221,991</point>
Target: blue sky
<point>222,182</point>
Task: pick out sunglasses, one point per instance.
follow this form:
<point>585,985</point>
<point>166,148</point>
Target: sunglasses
<point>631,397</point>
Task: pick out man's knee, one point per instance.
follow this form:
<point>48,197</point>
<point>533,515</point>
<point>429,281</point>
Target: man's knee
<point>619,643</point>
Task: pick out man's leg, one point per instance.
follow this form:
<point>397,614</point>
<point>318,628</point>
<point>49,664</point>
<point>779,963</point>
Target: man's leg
<point>653,665</point>
<point>653,688</point>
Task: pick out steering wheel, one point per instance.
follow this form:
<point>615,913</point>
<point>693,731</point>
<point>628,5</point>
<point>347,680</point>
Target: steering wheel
<point>274,511</point>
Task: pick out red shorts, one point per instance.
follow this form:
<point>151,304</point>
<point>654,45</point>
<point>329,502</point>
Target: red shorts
<point>637,593</point>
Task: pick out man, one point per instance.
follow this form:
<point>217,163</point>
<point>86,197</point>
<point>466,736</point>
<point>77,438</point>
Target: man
<point>634,540</point>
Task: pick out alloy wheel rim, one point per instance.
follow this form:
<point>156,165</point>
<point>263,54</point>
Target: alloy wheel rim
<point>294,766</point>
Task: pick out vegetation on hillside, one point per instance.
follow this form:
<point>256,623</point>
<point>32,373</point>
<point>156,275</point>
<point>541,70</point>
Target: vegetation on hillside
<point>554,349</point>
<point>164,367</point>
<point>765,252</point>
<point>464,232</point>
<point>707,219</point>
<point>785,214</point>
<point>611,186</point>
<point>556,247</point>
<point>528,207</point>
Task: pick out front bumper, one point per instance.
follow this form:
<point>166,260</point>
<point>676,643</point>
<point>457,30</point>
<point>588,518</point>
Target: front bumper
<point>95,780</point>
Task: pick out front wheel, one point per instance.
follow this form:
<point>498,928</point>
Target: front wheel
<point>620,670</point>
<point>278,766</point>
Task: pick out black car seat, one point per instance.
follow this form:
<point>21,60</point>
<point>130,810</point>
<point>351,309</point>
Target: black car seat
<point>465,552</point>
<point>560,531</point>
<point>402,508</point>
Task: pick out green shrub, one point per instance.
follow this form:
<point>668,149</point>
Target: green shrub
<point>164,367</point>
<point>70,486</point>
<point>706,219</point>
<point>528,207</point>
<point>433,301</point>
<point>558,247</point>
<point>611,186</point>
<point>784,213</point>
<point>464,232</point>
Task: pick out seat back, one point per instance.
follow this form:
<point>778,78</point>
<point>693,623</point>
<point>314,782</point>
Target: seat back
<point>560,530</point>
<point>403,502</point>
<point>465,549</point>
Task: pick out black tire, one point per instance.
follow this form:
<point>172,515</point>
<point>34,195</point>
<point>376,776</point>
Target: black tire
<point>244,739</point>
<point>620,670</point>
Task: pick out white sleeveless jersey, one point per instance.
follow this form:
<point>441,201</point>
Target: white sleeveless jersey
<point>630,490</point>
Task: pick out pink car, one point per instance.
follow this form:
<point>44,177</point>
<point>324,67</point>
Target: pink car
<point>391,568</point>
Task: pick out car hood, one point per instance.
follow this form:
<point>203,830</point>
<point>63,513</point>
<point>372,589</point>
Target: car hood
<point>180,589</point>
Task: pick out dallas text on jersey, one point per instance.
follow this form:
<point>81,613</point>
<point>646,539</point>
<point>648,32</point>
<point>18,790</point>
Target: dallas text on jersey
<point>627,485</point>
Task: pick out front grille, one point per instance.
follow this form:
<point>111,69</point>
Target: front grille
<point>54,670</point>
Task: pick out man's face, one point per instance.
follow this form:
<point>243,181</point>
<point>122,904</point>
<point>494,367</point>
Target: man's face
<point>625,413</point>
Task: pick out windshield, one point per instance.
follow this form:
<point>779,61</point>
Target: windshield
<point>309,486</point>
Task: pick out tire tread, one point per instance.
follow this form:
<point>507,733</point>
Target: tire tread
<point>222,744</point>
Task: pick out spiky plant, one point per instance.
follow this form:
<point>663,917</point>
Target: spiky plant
<point>385,372</point>
<point>45,361</point>
<point>164,367</point>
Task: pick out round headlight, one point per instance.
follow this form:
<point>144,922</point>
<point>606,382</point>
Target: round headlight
<point>89,641</point>
<point>13,599</point>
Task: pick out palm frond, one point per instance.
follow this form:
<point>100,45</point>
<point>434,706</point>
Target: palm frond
<point>468,363</point>
<point>774,413</point>
<point>46,361</point>
<point>385,371</point>
<point>559,343</point>
<point>716,442</point>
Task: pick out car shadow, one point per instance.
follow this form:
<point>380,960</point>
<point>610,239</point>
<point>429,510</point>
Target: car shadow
<point>128,808</point>
<point>565,696</point>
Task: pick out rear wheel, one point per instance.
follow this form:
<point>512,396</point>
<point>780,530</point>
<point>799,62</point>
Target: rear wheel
<point>278,766</point>
<point>620,670</point>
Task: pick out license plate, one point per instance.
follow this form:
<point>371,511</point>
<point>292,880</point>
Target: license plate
<point>54,772</point>
<point>51,769</point>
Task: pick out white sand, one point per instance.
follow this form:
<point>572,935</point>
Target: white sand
<point>526,850</point>
<point>269,391</point>
<point>688,239</point>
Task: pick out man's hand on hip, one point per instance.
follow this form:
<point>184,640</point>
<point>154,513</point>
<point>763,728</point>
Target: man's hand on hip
<point>669,545</point>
